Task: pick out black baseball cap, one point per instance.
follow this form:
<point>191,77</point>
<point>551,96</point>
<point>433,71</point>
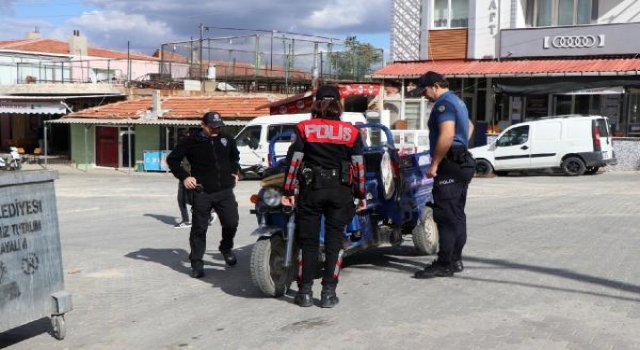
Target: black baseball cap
<point>429,78</point>
<point>328,92</point>
<point>212,119</point>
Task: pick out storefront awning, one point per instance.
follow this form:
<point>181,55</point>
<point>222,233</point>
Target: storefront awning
<point>614,90</point>
<point>594,67</point>
<point>575,85</point>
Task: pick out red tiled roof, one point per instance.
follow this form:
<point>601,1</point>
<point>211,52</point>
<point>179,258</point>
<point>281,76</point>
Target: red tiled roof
<point>289,99</point>
<point>550,67</point>
<point>180,108</point>
<point>45,45</point>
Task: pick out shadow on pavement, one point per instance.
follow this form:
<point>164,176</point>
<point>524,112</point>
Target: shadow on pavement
<point>235,281</point>
<point>397,258</point>
<point>166,219</point>
<point>559,272</point>
<point>26,331</point>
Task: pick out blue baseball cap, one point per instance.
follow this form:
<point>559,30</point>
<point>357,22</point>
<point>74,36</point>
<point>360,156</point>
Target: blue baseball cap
<point>212,119</point>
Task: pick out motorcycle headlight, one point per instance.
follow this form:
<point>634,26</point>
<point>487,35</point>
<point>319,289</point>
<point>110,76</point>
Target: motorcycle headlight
<point>272,197</point>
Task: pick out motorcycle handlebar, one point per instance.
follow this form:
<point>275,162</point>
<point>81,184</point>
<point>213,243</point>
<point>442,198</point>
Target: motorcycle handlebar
<point>288,209</point>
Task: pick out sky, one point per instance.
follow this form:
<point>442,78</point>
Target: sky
<point>146,24</point>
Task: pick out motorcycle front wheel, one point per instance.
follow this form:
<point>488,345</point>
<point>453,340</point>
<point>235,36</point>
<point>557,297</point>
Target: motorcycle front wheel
<point>268,272</point>
<point>425,235</point>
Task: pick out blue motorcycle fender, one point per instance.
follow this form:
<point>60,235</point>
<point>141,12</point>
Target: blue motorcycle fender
<point>268,231</point>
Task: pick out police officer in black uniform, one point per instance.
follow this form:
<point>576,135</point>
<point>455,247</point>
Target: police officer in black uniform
<point>214,160</point>
<point>326,157</point>
<point>452,168</point>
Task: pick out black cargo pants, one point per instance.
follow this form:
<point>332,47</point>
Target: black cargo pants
<point>450,198</point>
<point>336,203</point>
<point>225,204</point>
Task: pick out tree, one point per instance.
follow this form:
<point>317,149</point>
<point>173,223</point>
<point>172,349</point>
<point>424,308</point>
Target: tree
<point>355,63</point>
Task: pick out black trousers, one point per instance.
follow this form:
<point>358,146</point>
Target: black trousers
<point>182,202</point>
<point>225,204</point>
<point>336,203</point>
<point>450,198</point>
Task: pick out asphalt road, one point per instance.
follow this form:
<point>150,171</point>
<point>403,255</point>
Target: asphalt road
<point>551,263</point>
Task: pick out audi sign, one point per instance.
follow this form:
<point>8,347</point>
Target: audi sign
<point>570,41</point>
<point>573,41</point>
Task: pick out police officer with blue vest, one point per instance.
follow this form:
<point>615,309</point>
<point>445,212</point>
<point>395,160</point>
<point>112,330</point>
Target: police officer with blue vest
<point>452,168</point>
<point>325,159</point>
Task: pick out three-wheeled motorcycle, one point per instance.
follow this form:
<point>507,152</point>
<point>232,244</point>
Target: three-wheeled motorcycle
<point>398,196</point>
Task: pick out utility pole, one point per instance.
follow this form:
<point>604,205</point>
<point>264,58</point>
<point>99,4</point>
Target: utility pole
<point>201,39</point>
<point>271,51</point>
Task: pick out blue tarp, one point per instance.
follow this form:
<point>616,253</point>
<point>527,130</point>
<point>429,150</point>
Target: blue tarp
<point>155,160</point>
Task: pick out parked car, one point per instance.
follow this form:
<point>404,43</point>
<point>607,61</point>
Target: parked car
<point>253,139</point>
<point>577,144</point>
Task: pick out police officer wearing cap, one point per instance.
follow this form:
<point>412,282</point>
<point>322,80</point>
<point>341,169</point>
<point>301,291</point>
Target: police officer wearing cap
<point>325,160</point>
<point>452,168</point>
<point>214,160</point>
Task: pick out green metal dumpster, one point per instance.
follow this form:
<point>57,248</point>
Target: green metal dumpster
<point>31,275</point>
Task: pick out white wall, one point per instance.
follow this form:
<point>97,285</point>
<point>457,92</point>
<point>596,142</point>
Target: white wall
<point>486,18</point>
<point>483,44</point>
<point>82,65</point>
<point>40,67</point>
<point>618,11</point>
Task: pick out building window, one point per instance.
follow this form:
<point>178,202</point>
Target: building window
<point>450,13</point>
<point>546,13</point>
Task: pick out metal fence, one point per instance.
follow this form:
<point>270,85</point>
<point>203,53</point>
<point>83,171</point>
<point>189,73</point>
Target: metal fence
<point>44,70</point>
<point>271,61</point>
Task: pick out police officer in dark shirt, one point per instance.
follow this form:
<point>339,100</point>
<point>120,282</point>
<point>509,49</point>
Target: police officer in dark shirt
<point>214,158</point>
<point>326,156</point>
<point>452,168</point>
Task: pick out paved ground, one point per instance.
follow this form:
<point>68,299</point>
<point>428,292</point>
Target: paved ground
<point>551,263</point>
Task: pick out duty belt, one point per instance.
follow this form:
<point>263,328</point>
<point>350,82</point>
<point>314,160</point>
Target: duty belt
<point>321,177</point>
<point>457,154</point>
<point>328,174</point>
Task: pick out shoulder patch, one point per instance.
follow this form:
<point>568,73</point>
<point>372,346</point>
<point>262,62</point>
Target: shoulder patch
<point>441,108</point>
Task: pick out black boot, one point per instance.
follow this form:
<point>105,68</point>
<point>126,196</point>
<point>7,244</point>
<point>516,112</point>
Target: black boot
<point>304,297</point>
<point>197,269</point>
<point>328,297</point>
<point>436,269</point>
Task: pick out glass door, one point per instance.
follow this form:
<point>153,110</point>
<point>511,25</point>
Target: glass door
<point>633,116</point>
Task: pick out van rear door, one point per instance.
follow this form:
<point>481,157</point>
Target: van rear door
<point>601,136</point>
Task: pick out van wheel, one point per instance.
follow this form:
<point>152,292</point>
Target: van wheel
<point>483,167</point>
<point>573,166</point>
<point>592,170</point>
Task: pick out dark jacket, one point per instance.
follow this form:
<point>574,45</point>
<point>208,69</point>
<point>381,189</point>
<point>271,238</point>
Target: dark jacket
<point>213,161</point>
<point>327,144</point>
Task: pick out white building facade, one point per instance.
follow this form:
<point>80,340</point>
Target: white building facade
<point>513,60</point>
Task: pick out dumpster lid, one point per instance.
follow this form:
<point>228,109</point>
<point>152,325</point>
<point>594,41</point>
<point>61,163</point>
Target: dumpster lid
<point>20,177</point>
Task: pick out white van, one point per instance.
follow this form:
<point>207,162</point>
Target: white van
<point>577,144</point>
<point>411,140</point>
<point>253,139</point>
